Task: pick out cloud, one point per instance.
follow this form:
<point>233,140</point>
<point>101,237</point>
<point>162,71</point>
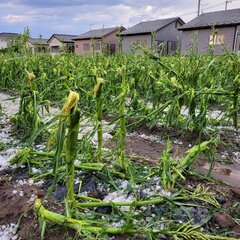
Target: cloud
<point>101,4</point>
<point>46,17</point>
<point>15,18</point>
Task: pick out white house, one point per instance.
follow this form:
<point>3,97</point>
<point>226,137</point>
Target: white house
<point>6,38</point>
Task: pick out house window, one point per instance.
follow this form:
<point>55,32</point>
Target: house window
<point>216,39</point>
<point>86,46</point>
<point>69,47</point>
<point>55,49</point>
<point>76,46</point>
<point>96,46</point>
<point>112,48</point>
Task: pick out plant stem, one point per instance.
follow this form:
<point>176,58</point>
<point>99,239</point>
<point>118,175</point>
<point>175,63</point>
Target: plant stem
<point>235,107</point>
<point>71,151</point>
<point>99,103</point>
<point>190,157</point>
<point>81,225</point>
<point>99,127</point>
<point>122,132</point>
<point>78,225</point>
<point>109,204</point>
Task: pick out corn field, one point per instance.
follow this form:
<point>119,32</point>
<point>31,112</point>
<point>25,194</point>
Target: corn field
<point>116,97</point>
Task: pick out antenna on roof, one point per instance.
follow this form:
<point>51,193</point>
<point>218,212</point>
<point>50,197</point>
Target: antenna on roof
<point>226,4</point>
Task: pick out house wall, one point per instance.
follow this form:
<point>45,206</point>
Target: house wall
<point>78,47</point>
<point>189,38</point>
<point>53,44</point>
<point>109,39</point>
<point>128,41</point>
<point>169,33</point>
<point>237,46</point>
<point>238,29</point>
<point>3,43</point>
<point>31,47</point>
<point>166,34</point>
<point>36,48</point>
<point>113,39</point>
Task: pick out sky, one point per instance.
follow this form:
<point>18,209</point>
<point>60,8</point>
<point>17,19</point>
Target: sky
<point>45,17</point>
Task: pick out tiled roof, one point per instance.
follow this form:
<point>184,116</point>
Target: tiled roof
<point>65,38</point>
<point>149,26</point>
<point>98,33</point>
<point>9,35</point>
<point>37,40</point>
<point>219,18</point>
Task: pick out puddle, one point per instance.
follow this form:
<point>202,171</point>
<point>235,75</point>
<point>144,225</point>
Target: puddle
<point>229,174</point>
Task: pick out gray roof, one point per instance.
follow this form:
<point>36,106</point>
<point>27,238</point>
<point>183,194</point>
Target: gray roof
<point>65,38</point>
<point>219,18</point>
<point>37,41</point>
<point>9,35</point>
<point>149,26</point>
<point>98,33</point>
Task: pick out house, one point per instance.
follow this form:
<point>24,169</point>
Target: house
<point>61,42</point>
<point>212,31</point>
<point>161,34</point>
<point>6,39</point>
<point>37,45</point>
<point>98,40</point>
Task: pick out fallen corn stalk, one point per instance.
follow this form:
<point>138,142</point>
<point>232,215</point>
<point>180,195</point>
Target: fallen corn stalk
<point>183,231</point>
<point>84,166</point>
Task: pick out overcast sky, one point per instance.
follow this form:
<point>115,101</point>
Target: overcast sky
<point>44,17</point>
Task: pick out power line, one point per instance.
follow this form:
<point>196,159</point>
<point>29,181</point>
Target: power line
<point>207,8</point>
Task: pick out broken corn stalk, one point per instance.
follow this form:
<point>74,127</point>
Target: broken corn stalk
<point>192,154</point>
<point>71,102</point>
<point>182,230</point>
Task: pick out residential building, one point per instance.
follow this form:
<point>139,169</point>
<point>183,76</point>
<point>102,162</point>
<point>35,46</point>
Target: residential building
<point>212,32</point>
<point>6,39</point>
<point>37,45</point>
<point>98,40</point>
<point>61,42</point>
<point>161,34</point>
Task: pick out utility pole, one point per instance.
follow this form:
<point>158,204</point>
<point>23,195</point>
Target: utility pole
<point>199,6</point>
<point>226,3</point>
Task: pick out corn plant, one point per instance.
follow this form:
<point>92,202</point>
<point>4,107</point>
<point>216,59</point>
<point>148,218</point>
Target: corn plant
<point>66,140</point>
<point>99,109</point>
<point>28,117</point>
<point>170,169</point>
<point>71,153</point>
<point>72,116</point>
<point>233,65</point>
<point>122,130</point>
<point>199,80</point>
